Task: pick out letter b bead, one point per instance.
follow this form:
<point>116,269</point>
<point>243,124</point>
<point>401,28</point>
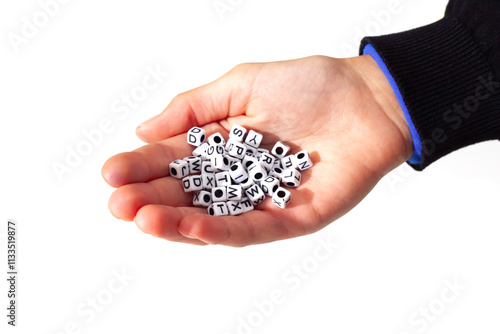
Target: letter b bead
<point>303,160</point>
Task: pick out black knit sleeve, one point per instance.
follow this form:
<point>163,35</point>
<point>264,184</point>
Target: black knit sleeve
<point>448,75</point>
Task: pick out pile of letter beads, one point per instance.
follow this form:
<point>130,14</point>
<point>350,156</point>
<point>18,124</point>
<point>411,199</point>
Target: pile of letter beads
<point>231,178</point>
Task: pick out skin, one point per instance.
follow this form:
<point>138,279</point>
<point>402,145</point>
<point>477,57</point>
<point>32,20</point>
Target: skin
<point>342,111</point>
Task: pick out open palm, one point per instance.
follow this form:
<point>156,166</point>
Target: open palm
<point>342,111</point>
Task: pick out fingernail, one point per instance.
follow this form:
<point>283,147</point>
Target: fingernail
<point>187,234</point>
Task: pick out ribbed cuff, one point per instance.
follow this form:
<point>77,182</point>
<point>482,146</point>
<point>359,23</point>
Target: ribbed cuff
<point>446,84</point>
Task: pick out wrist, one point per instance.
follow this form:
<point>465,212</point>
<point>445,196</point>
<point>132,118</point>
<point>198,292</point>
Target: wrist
<point>386,98</point>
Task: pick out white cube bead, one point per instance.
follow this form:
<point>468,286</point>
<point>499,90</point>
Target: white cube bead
<point>238,172</point>
<point>218,209</point>
<point>232,160</point>
<point>192,183</point>
<point>245,184</point>
<point>280,150</point>
<point>178,169</point>
<point>303,160</point>
<point>206,167</point>
<point>201,151</point>
<point>257,172</point>
<point>222,179</point>
<point>277,163</point>
<point>288,162</point>
<point>281,197</point>
<point>230,143</point>
<point>194,164</point>
<point>246,204</point>
<point>196,136</point>
<point>220,162</point>
<point>237,132</point>
<point>276,172</point>
<point>202,198</point>
<point>291,177</point>
<point>234,192</point>
<point>261,151</point>
<point>219,194</point>
<point>251,151</point>
<point>237,150</point>
<point>216,139</point>
<point>267,161</point>
<point>234,207</point>
<point>253,139</point>
<point>208,180</point>
<point>269,185</point>
<point>214,149</point>
<point>248,161</point>
<point>255,194</point>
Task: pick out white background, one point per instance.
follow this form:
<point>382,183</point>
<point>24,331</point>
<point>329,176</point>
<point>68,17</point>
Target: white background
<point>397,249</point>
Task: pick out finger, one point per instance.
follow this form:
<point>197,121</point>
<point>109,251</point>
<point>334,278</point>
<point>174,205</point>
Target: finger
<point>150,161</point>
<point>161,221</point>
<point>254,227</point>
<point>215,101</point>
<point>128,199</point>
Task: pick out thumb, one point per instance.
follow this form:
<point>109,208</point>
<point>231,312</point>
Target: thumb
<point>224,97</point>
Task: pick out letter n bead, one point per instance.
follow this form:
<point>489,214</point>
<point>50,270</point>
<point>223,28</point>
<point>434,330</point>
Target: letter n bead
<point>303,160</point>
<point>179,169</point>
<point>196,136</point>
<point>281,197</point>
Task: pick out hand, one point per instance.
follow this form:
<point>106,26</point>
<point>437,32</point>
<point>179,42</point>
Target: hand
<point>342,111</point>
